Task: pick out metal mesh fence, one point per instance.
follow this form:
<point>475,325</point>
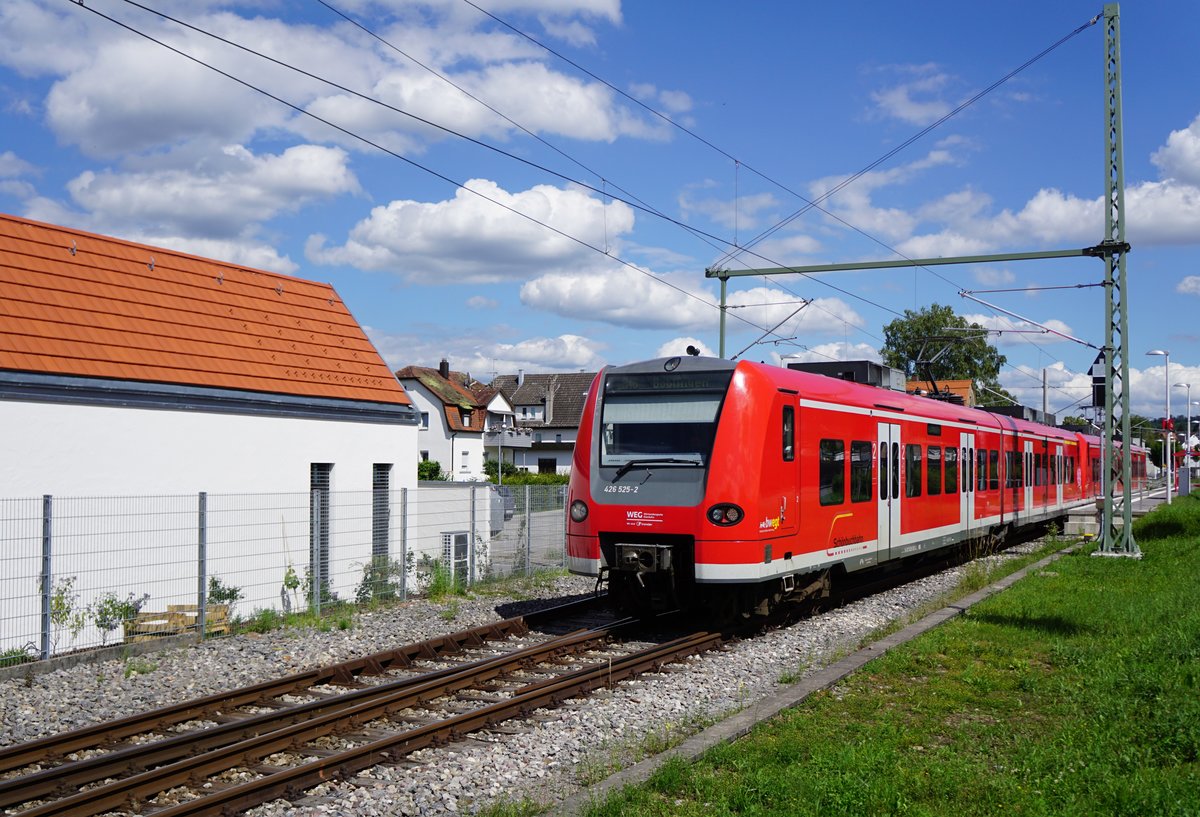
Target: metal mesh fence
<point>84,572</point>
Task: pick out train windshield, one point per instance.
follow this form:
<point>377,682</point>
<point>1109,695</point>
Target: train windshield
<point>661,418</point>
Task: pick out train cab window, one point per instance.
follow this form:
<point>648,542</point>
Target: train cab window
<point>933,482</point>
<point>832,487</point>
<point>789,433</point>
<point>952,470</point>
<point>980,469</point>
<point>860,471</point>
<point>994,470</point>
<point>912,470</point>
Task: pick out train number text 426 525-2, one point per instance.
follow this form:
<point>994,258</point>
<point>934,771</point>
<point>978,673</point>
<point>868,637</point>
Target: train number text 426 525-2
<point>621,489</point>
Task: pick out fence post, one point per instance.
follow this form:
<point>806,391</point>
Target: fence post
<point>404,544</point>
<point>47,572</point>
<point>202,563</point>
<point>315,551</point>
<point>471,544</point>
<point>528,530</point>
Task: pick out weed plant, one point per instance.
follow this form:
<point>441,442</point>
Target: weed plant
<point>1074,692</point>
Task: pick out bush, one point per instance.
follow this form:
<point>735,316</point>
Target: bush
<point>431,471</point>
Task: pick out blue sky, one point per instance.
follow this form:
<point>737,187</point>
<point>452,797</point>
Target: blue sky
<point>539,264</point>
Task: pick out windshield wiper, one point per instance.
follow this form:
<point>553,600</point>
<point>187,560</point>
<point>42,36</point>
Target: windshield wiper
<point>645,463</point>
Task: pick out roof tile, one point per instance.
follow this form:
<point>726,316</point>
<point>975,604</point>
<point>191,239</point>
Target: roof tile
<point>104,312</point>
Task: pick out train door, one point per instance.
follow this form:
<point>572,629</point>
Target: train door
<point>889,489</point>
<point>966,506</point>
<point>1059,464</point>
<point>779,493</point>
<point>1029,477</point>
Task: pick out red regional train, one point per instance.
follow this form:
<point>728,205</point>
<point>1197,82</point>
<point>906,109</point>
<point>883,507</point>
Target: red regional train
<point>700,482</point>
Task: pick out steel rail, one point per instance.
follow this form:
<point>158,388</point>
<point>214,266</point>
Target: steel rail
<point>291,782</point>
<point>53,747</point>
<point>175,760</point>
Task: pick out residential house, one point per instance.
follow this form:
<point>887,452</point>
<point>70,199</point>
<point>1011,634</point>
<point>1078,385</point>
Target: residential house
<point>548,407</point>
<point>131,369</point>
<point>452,420</point>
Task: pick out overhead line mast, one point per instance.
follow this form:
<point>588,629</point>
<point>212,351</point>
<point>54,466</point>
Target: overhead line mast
<point>1113,541</point>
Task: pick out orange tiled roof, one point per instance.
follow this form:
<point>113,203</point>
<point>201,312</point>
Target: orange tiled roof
<point>76,303</point>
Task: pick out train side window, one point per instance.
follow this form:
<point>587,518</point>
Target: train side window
<point>883,470</point>
<point>1018,469</point>
<point>912,470</point>
<point>832,487</point>
<point>933,482</point>
<point>789,433</point>
<point>968,460</point>
<point>994,470</point>
<point>952,470</point>
<point>896,470</point>
<point>980,469</point>
<point>860,471</point>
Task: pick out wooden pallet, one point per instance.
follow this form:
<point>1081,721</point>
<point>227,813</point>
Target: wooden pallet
<point>177,620</point>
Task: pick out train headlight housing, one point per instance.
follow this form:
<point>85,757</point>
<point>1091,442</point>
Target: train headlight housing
<point>579,510</point>
<point>725,514</point>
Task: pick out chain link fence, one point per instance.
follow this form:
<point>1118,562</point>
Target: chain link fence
<point>84,572</point>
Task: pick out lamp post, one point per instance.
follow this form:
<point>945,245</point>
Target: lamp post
<point>1166,354</point>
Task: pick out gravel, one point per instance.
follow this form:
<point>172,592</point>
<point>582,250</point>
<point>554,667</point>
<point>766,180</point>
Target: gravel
<point>554,754</point>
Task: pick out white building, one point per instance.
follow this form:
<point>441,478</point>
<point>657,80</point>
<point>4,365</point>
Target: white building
<point>129,369</point>
<point>546,407</point>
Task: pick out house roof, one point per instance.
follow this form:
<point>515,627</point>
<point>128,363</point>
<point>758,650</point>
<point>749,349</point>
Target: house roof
<point>564,395</point>
<point>80,304</point>
<point>455,398</point>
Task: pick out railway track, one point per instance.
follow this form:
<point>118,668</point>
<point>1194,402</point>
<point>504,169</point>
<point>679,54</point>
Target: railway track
<point>289,735</point>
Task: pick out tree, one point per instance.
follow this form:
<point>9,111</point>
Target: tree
<point>930,343</point>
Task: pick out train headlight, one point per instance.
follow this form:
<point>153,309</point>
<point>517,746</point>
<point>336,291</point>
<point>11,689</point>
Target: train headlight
<point>725,514</point>
<point>579,510</point>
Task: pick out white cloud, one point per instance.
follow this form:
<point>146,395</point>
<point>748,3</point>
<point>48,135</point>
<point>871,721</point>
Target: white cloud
<point>624,297</point>
<point>469,239</point>
<point>917,101</point>
<point>990,276</point>
<point>1190,285</point>
<point>1179,158</point>
<point>13,166</point>
<point>480,302</point>
<point>481,355</point>
<point>1008,331</point>
<point>826,352</point>
<point>219,198</point>
<point>679,346</point>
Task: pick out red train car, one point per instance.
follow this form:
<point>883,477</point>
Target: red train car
<point>703,481</point>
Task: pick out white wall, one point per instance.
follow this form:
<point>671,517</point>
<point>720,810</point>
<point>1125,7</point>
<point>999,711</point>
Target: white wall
<point>437,439</point>
<point>68,450</point>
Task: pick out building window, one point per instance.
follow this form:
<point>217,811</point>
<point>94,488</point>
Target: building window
<point>381,508</point>
<point>465,416</point>
<point>547,465</point>
<point>320,479</point>
<point>424,456</point>
<point>466,461</point>
<point>537,436</point>
<point>425,419</point>
<point>832,475</point>
<point>558,438</point>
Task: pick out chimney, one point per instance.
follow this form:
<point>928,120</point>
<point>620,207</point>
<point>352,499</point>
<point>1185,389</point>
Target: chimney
<point>444,369</point>
<point>520,377</point>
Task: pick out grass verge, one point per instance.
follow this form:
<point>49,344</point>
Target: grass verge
<point>1075,692</point>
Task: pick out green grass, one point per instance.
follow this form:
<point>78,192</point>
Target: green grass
<point>1075,692</point>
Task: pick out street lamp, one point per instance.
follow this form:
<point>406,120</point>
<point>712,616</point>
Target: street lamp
<point>1166,431</point>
